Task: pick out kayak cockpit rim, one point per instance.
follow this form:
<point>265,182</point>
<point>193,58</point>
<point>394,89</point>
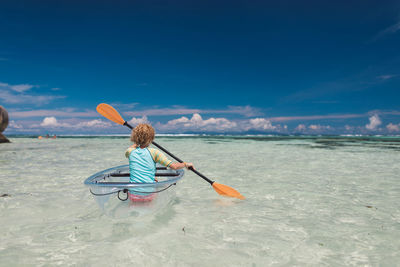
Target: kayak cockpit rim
<point>99,179</point>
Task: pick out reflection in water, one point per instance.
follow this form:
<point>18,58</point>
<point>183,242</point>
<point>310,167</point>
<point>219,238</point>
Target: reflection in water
<point>224,202</point>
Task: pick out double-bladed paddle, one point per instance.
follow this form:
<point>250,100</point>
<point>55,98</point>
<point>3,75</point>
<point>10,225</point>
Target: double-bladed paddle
<point>110,113</point>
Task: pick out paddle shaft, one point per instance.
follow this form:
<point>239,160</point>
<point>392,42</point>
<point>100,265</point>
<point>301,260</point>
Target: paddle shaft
<point>175,157</point>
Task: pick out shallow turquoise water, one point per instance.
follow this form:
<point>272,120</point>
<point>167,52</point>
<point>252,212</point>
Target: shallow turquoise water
<point>310,201</point>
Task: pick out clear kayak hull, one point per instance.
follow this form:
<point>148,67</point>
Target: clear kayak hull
<point>117,197</point>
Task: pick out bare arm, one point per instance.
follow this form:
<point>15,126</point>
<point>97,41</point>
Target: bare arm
<point>177,165</point>
<point>160,158</point>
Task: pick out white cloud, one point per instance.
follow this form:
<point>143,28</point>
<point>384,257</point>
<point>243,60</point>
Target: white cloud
<point>246,111</point>
<point>177,121</point>
<point>122,107</point>
<point>312,128</point>
<point>390,30</point>
<point>319,127</point>
<point>65,112</point>
<point>12,98</point>
<point>387,77</point>
<point>196,123</point>
<point>374,122</point>
<point>16,94</point>
<point>14,125</point>
<point>93,124</point>
<point>316,117</point>
<point>20,88</point>
<point>261,124</point>
<point>17,88</point>
<point>300,127</point>
<point>4,84</point>
<point>349,128</point>
<point>393,127</point>
<point>135,121</point>
<point>49,122</point>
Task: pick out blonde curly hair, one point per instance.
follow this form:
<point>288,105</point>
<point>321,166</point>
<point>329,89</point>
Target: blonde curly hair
<point>142,135</point>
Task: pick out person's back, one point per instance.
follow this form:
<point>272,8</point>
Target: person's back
<point>142,166</point>
<point>142,159</point>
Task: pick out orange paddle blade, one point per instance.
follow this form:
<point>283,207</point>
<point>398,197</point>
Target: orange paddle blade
<point>110,113</point>
<point>227,191</point>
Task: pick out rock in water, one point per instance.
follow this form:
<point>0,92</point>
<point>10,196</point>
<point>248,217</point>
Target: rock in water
<point>3,124</point>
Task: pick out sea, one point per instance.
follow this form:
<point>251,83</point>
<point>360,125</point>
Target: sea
<point>310,201</point>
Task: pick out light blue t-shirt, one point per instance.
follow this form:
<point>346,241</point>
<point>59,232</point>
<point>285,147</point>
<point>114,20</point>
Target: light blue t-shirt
<point>142,167</point>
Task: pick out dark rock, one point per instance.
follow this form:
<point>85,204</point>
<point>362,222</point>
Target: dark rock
<point>3,139</point>
<point>3,124</point>
<point>3,119</point>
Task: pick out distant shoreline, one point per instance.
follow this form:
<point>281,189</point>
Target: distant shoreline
<point>234,136</point>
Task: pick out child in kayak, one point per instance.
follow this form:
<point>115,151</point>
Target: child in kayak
<point>143,159</point>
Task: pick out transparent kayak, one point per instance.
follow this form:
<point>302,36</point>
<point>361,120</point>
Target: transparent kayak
<point>118,197</point>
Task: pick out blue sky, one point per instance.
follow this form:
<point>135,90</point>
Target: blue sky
<point>312,67</point>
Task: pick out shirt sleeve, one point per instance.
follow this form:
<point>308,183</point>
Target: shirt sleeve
<point>128,151</point>
<point>159,157</point>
